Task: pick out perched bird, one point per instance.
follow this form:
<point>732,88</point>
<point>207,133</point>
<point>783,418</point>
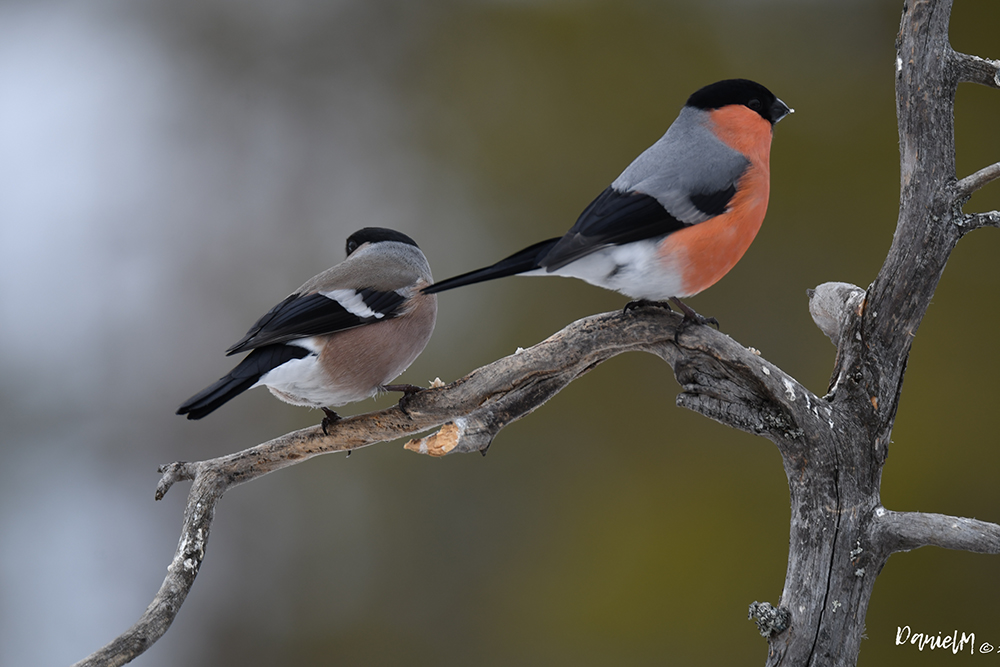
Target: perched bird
<point>679,217</point>
<point>340,337</point>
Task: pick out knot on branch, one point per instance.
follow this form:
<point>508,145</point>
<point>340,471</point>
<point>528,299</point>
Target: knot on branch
<point>770,620</point>
<point>832,305</point>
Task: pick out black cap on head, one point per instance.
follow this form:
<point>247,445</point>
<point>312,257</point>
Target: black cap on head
<point>740,91</point>
<point>375,235</point>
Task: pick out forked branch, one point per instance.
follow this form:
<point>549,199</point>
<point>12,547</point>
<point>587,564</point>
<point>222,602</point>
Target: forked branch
<point>470,411</point>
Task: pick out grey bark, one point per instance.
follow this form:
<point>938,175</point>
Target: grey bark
<point>833,447</point>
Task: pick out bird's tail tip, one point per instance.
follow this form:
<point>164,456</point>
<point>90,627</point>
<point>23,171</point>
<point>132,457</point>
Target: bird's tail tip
<point>214,397</point>
<point>520,262</point>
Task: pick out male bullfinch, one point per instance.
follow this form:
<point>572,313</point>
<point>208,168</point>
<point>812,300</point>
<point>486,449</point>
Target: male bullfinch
<point>680,216</point>
<point>340,337</point>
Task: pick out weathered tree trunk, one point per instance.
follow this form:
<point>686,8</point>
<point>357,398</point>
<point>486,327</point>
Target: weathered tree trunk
<point>841,536</point>
<point>833,448</point>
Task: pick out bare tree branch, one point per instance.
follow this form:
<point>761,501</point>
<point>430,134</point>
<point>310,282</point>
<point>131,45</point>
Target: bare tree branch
<point>902,531</point>
<point>973,182</point>
<point>721,379</point>
<point>977,220</point>
<point>181,573</point>
<point>472,410</point>
<point>973,69</point>
<point>834,556</point>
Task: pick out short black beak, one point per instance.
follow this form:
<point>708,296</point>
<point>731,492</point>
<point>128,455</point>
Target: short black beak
<point>779,110</point>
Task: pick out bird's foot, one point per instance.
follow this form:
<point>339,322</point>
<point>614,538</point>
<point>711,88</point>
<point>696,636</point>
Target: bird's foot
<point>691,316</point>
<point>329,420</point>
<point>689,313</point>
<point>644,303</point>
<point>408,389</point>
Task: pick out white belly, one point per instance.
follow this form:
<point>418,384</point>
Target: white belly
<point>303,382</point>
<point>634,270</point>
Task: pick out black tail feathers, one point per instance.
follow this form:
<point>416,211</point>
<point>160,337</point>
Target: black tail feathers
<point>520,262</point>
<point>215,396</point>
<point>241,378</point>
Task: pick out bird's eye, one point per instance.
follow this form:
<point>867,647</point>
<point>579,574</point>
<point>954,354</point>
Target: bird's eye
<point>754,104</point>
<point>351,246</point>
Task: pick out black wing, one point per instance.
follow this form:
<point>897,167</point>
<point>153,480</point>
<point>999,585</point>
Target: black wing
<point>301,316</point>
<point>614,218</point>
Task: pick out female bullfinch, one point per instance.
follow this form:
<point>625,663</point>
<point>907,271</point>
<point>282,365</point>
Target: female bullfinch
<point>680,216</point>
<point>340,337</point>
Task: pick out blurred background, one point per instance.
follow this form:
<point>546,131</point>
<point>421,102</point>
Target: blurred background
<point>171,169</point>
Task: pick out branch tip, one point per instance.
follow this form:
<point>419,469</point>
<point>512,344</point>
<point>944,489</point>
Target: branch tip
<point>172,472</point>
<point>968,185</point>
<point>973,221</point>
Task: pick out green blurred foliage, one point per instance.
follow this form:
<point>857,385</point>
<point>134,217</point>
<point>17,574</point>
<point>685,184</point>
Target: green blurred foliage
<point>609,527</point>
